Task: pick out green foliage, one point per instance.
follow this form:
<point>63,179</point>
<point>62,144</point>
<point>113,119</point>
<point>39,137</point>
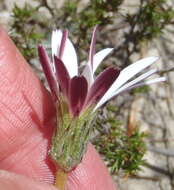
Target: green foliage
<point>150,19</point>
<point>96,12</point>
<point>24,30</point>
<point>70,8</point>
<point>100,12</point>
<point>147,23</point>
<point>120,151</point>
<point>142,89</point>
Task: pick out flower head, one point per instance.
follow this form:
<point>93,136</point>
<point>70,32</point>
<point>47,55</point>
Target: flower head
<point>82,90</point>
<point>78,95</point>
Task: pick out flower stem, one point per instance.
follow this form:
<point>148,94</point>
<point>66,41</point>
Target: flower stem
<point>61,179</point>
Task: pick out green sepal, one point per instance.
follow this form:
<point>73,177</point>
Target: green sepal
<point>70,138</point>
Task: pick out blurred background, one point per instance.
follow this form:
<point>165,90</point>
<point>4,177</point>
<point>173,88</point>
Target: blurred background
<point>135,132</point>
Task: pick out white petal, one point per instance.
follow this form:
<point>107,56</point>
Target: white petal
<point>69,58</point>
<point>125,75</point>
<point>55,41</point>
<point>148,82</point>
<point>87,73</point>
<point>130,84</point>
<point>135,81</point>
<point>69,55</point>
<point>99,56</point>
<point>160,79</point>
<point>131,71</point>
<point>92,45</point>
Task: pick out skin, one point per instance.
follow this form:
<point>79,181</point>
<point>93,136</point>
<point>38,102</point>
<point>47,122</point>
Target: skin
<point>26,124</point>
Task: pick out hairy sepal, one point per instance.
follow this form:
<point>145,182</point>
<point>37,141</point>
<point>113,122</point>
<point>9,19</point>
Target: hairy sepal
<point>70,138</point>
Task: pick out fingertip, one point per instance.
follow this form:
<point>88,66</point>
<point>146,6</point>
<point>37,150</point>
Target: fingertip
<point>91,173</point>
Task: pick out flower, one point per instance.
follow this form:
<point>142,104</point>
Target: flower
<point>82,90</point>
<point>78,95</point>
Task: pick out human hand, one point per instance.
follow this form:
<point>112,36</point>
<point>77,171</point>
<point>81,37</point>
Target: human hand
<point>26,126</point>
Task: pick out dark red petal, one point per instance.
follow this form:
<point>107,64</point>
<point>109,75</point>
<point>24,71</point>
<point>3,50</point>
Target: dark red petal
<point>77,94</point>
<point>92,45</point>
<point>62,76</point>
<point>62,44</point>
<point>101,85</point>
<point>46,65</point>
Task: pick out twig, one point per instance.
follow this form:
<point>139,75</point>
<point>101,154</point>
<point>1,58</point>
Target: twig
<point>145,177</point>
<point>158,169</point>
<point>161,72</point>
<point>166,152</point>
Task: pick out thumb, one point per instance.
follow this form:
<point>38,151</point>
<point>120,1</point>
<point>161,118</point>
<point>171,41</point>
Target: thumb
<point>12,181</point>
